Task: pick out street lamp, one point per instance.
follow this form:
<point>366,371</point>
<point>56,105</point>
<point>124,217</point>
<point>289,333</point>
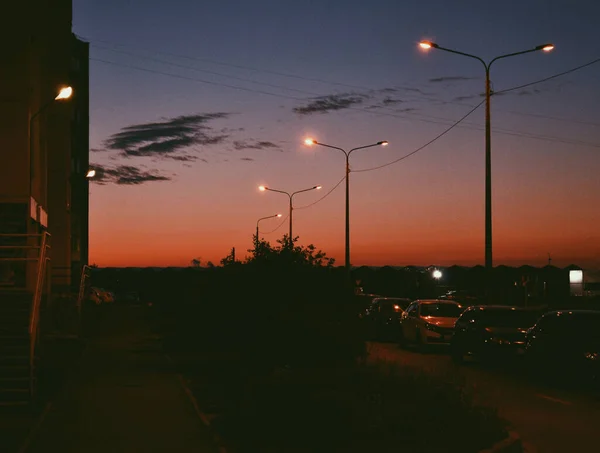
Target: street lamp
<point>426,45</point>
<point>437,274</point>
<point>310,142</point>
<point>63,94</point>
<point>90,174</point>
<point>290,196</point>
<point>263,218</point>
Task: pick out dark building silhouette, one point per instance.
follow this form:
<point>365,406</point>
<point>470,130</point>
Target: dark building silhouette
<point>44,146</point>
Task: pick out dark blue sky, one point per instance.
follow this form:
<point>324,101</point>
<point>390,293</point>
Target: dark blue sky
<point>274,56</point>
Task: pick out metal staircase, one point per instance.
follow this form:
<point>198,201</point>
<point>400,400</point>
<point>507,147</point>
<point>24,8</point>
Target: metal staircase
<point>20,301</point>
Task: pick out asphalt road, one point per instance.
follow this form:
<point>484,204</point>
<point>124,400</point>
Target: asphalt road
<point>549,419</point>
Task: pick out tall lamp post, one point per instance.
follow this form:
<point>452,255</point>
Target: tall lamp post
<point>291,197</point>
<point>309,142</point>
<point>263,218</point>
<point>64,94</point>
<point>426,45</point>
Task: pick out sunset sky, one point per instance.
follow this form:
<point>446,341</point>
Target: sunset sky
<point>195,104</point>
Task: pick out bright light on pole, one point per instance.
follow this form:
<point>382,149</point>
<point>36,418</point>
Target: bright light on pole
<point>64,93</point>
<point>291,198</point>
<point>437,274</point>
<point>91,174</point>
<point>312,141</point>
<point>426,45</point>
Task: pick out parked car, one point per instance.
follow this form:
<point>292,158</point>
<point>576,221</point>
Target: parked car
<point>565,344</point>
<point>101,296</point>
<point>383,317</point>
<point>491,331</point>
<point>429,321</point>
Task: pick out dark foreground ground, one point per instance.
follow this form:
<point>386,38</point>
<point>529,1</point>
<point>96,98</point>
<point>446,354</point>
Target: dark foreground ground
<point>124,396</point>
<point>551,419</point>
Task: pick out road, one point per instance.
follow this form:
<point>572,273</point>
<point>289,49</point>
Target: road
<point>548,419</point>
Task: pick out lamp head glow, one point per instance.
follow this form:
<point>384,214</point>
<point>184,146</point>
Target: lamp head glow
<point>64,93</point>
<point>426,45</point>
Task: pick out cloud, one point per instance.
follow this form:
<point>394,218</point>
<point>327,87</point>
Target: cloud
<point>246,144</point>
<point>166,138</point>
<point>450,79</point>
<point>125,175</point>
<point>391,101</point>
<point>407,109</point>
<point>248,159</point>
<point>465,98</point>
<point>329,103</point>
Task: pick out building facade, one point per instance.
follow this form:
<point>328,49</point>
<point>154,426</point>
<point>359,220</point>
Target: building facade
<point>44,147</point>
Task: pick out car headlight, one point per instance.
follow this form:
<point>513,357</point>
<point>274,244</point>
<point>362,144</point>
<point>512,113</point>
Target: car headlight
<point>591,355</point>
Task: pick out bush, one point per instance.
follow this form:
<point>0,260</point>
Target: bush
<point>363,408</point>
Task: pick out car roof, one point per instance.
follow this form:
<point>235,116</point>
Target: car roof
<point>436,301</point>
<point>580,312</point>
<point>499,308</point>
<point>391,298</point>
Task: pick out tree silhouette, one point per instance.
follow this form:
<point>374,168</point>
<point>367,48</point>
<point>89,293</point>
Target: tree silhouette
<point>287,253</point>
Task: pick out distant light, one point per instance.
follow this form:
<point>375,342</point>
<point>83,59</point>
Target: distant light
<point>576,276</point>
<point>90,174</point>
<point>64,93</point>
<point>319,187</point>
<point>262,188</point>
<point>310,141</point>
<point>383,143</point>
<point>396,307</point>
<point>437,274</point>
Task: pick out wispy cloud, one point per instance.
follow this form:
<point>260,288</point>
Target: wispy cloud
<point>247,159</point>
<point>125,175</point>
<point>165,139</point>
<point>329,103</point>
<point>250,144</point>
<point>450,79</point>
<point>391,101</point>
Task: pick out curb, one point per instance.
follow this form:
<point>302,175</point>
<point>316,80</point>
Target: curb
<point>510,444</point>
<point>201,415</point>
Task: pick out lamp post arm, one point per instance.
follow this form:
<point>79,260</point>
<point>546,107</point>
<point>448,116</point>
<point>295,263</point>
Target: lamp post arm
<point>511,55</point>
<point>303,190</point>
<point>464,54</point>
<point>332,147</point>
<point>363,147</point>
<point>278,191</point>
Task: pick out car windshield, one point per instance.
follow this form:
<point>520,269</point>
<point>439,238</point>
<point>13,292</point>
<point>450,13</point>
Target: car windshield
<point>441,310</point>
<point>508,318</point>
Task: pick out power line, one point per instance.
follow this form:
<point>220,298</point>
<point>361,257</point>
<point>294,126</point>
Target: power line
<point>521,134</point>
<point>278,226</point>
<point>194,79</point>
<point>220,74</point>
<point>548,78</point>
<point>250,68</point>
<point>442,121</point>
<point>425,145</point>
<point>324,196</point>
<point>330,82</point>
